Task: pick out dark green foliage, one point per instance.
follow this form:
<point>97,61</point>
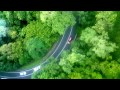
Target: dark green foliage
<point>86,18</point>
<point>57,20</point>
<point>13,48</point>
<point>37,47</point>
<point>95,53</point>
<point>46,73</point>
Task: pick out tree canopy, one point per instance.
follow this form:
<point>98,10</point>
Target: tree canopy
<point>94,54</point>
<point>27,36</point>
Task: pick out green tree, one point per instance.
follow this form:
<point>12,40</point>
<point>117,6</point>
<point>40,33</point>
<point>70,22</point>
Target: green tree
<point>57,20</point>
<point>35,47</point>
<point>86,18</point>
<point>99,43</point>
<point>90,56</point>
<point>51,71</point>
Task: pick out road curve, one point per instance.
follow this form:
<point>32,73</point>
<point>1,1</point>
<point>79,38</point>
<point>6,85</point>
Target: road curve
<point>60,46</point>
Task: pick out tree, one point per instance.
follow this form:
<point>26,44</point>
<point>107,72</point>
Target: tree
<point>51,71</point>
<point>86,18</point>
<point>99,40</point>
<point>90,56</point>
<point>25,34</point>
<point>8,57</point>
<point>105,21</point>
<point>110,70</point>
<point>57,20</point>
<point>35,47</point>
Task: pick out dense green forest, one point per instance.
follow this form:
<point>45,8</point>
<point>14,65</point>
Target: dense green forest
<point>94,55</point>
<point>27,36</point>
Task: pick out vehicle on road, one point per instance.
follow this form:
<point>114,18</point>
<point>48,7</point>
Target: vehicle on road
<point>22,73</point>
<point>69,40</point>
<point>36,68</point>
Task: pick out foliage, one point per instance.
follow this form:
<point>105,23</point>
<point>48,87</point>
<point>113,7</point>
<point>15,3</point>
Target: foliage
<point>92,54</point>
<point>46,73</point>
<point>37,47</point>
<point>58,21</point>
<point>86,18</point>
<point>26,38</point>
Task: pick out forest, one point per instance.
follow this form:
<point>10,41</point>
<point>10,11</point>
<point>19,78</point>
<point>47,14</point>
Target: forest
<point>27,36</point>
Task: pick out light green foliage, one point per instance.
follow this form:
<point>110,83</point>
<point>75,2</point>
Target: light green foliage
<point>68,60</point>
<point>38,37</point>
<point>88,35</point>
<point>99,45</point>
<point>37,29</point>
<point>15,17</point>
<point>25,58</point>
<point>103,48</point>
<point>21,15</point>
<point>6,50</point>
<point>99,42</point>
<point>73,67</point>
<point>105,21</point>
<point>110,69</point>
<point>12,51</point>
<point>9,16</point>
<point>75,75</point>
<point>21,55</point>
<point>58,21</point>
<point>12,34</point>
<point>91,56</point>
<point>51,71</point>
<point>32,33</point>
<point>28,33</point>
<point>9,57</point>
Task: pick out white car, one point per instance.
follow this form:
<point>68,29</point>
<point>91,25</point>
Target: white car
<point>22,73</point>
<point>36,68</point>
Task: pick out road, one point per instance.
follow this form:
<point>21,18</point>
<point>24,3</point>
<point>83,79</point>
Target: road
<point>55,52</point>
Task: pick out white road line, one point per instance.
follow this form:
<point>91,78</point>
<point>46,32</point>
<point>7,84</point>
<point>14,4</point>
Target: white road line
<point>46,59</point>
<point>17,76</point>
<point>56,57</point>
<point>65,43</point>
<point>56,49</point>
<point>75,37</point>
<point>58,46</point>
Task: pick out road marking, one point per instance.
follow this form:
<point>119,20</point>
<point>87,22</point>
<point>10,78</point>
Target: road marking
<point>56,57</point>
<point>56,49</point>
<point>44,61</point>
<point>75,37</point>
<point>65,43</point>
<point>16,77</point>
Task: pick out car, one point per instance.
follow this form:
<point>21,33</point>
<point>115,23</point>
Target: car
<point>22,73</point>
<point>36,68</point>
<point>69,40</point>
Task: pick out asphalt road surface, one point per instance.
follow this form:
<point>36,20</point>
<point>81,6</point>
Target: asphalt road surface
<point>56,52</point>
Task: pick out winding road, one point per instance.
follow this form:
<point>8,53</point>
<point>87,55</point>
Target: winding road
<point>55,52</point>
